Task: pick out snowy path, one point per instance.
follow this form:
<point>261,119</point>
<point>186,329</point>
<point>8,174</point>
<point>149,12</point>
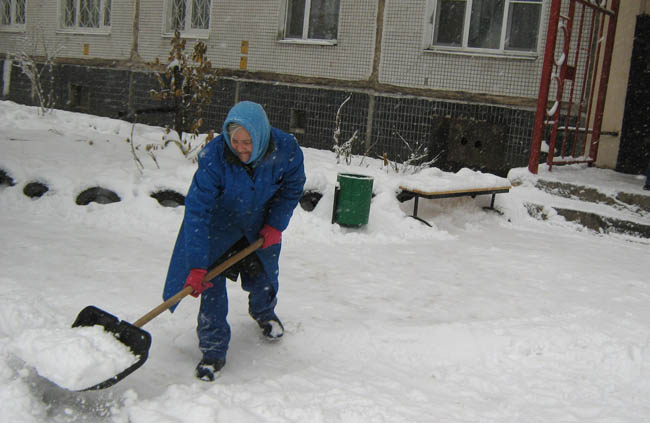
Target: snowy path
<point>457,329</point>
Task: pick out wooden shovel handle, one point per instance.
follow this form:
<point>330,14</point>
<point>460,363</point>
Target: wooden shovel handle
<point>188,290</point>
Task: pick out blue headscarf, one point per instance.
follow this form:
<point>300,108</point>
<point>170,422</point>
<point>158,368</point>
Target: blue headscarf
<point>253,118</point>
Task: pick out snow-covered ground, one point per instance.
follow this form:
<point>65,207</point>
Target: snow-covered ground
<point>483,317</point>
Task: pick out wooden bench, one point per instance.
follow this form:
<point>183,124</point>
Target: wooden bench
<point>472,192</point>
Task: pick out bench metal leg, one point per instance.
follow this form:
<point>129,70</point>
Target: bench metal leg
<point>423,221</point>
<point>491,208</point>
<point>415,211</point>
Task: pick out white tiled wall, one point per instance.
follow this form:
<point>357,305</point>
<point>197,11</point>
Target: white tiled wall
<point>41,17</point>
<point>258,22</point>
<point>406,63</point>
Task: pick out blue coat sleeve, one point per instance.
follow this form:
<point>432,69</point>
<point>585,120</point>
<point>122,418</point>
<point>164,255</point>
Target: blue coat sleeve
<point>286,199</point>
<point>199,205</point>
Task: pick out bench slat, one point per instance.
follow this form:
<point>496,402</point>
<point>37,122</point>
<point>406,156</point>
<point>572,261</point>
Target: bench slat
<point>469,191</point>
<point>453,193</point>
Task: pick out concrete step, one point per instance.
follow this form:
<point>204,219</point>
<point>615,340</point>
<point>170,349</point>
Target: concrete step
<point>594,221</point>
<point>635,202</point>
<point>621,212</point>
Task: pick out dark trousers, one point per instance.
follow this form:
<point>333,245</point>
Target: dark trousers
<point>213,328</point>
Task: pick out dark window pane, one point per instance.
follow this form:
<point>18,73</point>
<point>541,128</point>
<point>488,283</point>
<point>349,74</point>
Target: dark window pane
<point>107,12</point>
<point>449,22</point>
<point>89,13</point>
<point>324,19</point>
<point>201,14</point>
<point>523,26</point>
<point>6,12</point>
<point>20,11</point>
<point>178,15</point>
<point>295,18</point>
<point>485,24</point>
<point>69,13</point>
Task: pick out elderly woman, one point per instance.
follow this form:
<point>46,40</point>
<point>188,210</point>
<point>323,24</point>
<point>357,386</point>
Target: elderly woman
<point>248,182</point>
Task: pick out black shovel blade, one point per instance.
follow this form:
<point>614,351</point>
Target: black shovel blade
<point>138,340</point>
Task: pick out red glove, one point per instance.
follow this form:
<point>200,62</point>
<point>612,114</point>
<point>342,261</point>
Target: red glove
<point>195,280</point>
<point>271,236</point>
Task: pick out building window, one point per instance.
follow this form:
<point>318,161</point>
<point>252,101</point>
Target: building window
<point>491,25</point>
<point>312,19</point>
<point>85,15</point>
<point>187,16</point>
<point>13,13</point>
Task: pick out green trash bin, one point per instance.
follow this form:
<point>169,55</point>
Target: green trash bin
<point>352,199</point>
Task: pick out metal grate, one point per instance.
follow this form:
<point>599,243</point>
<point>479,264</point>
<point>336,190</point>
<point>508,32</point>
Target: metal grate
<point>69,14</point>
<point>20,12</point>
<point>107,12</point>
<point>6,12</point>
<point>12,12</point>
<point>573,85</point>
<point>89,13</point>
<point>177,15</point>
<point>200,14</point>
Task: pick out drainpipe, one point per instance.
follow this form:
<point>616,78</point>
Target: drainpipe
<point>371,116</point>
<point>136,31</point>
<point>135,57</point>
<point>6,77</point>
<point>374,75</point>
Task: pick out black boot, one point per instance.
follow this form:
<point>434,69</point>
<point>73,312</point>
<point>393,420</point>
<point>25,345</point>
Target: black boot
<point>208,369</point>
<point>272,328</point>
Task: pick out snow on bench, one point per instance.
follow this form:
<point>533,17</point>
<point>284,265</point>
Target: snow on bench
<point>434,183</point>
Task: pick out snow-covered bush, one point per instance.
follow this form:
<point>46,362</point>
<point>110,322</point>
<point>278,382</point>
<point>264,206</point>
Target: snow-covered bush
<point>414,163</point>
<point>343,150</point>
<point>186,84</point>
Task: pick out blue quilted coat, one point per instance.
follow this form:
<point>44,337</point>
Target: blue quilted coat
<point>226,201</point>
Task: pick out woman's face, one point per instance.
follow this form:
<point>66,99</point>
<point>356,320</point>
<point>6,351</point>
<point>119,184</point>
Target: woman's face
<point>241,142</point>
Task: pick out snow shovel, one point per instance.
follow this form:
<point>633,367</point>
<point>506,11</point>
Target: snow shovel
<point>131,334</point>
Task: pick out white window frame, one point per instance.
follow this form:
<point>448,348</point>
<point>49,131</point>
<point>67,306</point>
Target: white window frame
<point>13,26</point>
<point>284,15</point>
<point>102,28</point>
<point>188,31</point>
<point>431,19</point>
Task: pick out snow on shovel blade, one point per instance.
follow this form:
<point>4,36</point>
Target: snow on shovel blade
<point>131,335</point>
<point>138,340</point>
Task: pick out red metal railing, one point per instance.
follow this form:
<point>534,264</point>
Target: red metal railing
<point>587,74</point>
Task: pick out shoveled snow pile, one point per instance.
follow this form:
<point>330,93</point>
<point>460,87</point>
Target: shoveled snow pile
<point>73,358</point>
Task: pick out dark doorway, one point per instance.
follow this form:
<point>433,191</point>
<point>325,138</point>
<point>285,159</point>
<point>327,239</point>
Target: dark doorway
<point>634,152</point>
